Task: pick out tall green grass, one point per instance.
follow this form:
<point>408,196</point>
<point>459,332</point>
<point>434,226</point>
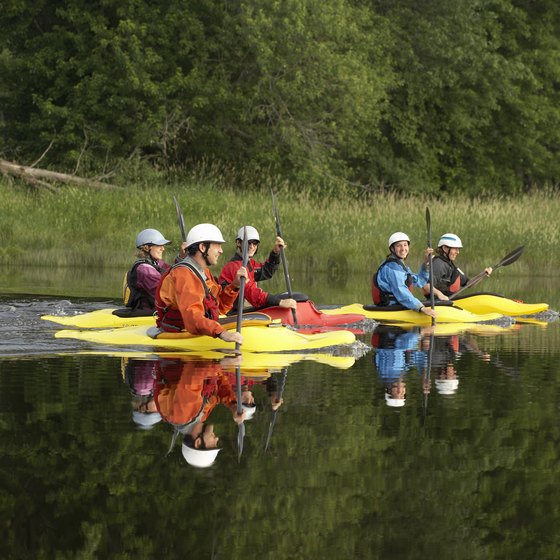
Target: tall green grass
<point>80,227</point>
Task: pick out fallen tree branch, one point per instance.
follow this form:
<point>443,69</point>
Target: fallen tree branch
<point>34,176</point>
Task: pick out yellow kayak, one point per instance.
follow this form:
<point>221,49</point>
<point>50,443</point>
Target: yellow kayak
<point>493,303</point>
<point>100,319</point>
<point>257,338</point>
<point>444,314</point>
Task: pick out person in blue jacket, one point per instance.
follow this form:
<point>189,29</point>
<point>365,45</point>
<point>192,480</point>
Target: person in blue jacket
<point>393,282</point>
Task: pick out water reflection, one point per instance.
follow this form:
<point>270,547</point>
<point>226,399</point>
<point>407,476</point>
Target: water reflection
<point>430,353</point>
<point>140,376</point>
<point>185,391</point>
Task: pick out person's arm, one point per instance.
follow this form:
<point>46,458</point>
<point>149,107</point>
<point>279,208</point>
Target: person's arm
<point>267,269</point>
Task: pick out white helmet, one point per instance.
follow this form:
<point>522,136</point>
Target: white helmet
<point>398,236</point>
<point>249,410</point>
<point>204,232</point>
<point>451,240</point>
<point>199,457</point>
<point>252,233</point>
<point>393,402</point>
<point>447,386</point>
<point>145,420</point>
<point>150,237</point>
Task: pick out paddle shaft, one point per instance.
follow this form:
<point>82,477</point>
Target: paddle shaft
<point>510,258</point>
<point>241,294</point>
<point>430,262</point>
<point>283,256</point>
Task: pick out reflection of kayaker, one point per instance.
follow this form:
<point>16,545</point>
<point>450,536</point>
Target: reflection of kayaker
<point>397,351</point>
<point>140,377</point>
<point>186,393</point>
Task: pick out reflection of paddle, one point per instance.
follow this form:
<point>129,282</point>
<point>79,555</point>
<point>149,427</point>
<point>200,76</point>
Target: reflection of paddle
<point>430,262</point>
<point>180,220</point>
<point>283,256</point>
<point>275,412</point>
<point>241,297</point>
<point>427,381</point>
<point>507,260</point>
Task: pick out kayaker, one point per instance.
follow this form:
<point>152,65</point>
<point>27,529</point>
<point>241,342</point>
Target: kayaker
<point>188,296</point>
<point>392,283</point>
<point>257,272</point>
<point>142,279</point>
<point>448,277</point>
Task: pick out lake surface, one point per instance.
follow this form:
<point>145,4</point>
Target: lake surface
<point>416,446</point>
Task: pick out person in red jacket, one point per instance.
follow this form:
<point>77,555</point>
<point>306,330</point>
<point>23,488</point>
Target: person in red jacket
<point>256,272</point>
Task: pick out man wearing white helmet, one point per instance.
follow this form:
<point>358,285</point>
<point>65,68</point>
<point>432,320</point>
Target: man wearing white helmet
<point>393,282</point>
<point>448,277</point>
<point>142,279</point>
<point>188,296</point>
<point>256,271</point>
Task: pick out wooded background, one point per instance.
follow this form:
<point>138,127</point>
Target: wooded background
<point>414,95</point>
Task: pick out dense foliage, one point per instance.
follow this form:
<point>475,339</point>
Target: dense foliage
<point>419,96</point>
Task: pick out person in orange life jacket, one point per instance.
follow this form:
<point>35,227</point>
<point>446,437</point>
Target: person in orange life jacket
<point>257,272</point>
<point>186,393</point>
<point>448,278</point>
<point>142,279</point>
<point>188,296</point>
<point>392,283</point>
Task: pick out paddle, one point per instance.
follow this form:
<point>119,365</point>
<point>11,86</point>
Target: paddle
<point>283,256</point>
<point>180,219</point>
<point>430,262</point>
<point>240,300</point>
<point>507,260</point>
<point>275,412</point>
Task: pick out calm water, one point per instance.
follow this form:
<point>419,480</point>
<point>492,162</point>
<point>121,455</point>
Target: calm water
<point>466,467</point>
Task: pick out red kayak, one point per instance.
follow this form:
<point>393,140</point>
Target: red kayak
<point>309,316</point>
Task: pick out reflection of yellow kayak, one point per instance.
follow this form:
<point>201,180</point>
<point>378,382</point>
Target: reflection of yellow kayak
<point>251,362</point>
<point>494,303</point>
<point>256,339</point>
<point>450,329</point>
<point>445,314</point>
<point>100,319</point>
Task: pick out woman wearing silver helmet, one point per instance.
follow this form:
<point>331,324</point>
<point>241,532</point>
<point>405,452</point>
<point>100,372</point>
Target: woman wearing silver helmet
<point>142,279</point>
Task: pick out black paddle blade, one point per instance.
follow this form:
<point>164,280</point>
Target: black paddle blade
<point>429,226</point>
<point>180,219</point>
<point>511,258</point>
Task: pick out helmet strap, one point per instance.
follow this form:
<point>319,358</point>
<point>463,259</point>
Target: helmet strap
<point>205,252</point>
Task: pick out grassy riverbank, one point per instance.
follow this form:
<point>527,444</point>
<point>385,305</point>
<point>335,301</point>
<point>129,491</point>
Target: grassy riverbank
<point>79,227</point>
